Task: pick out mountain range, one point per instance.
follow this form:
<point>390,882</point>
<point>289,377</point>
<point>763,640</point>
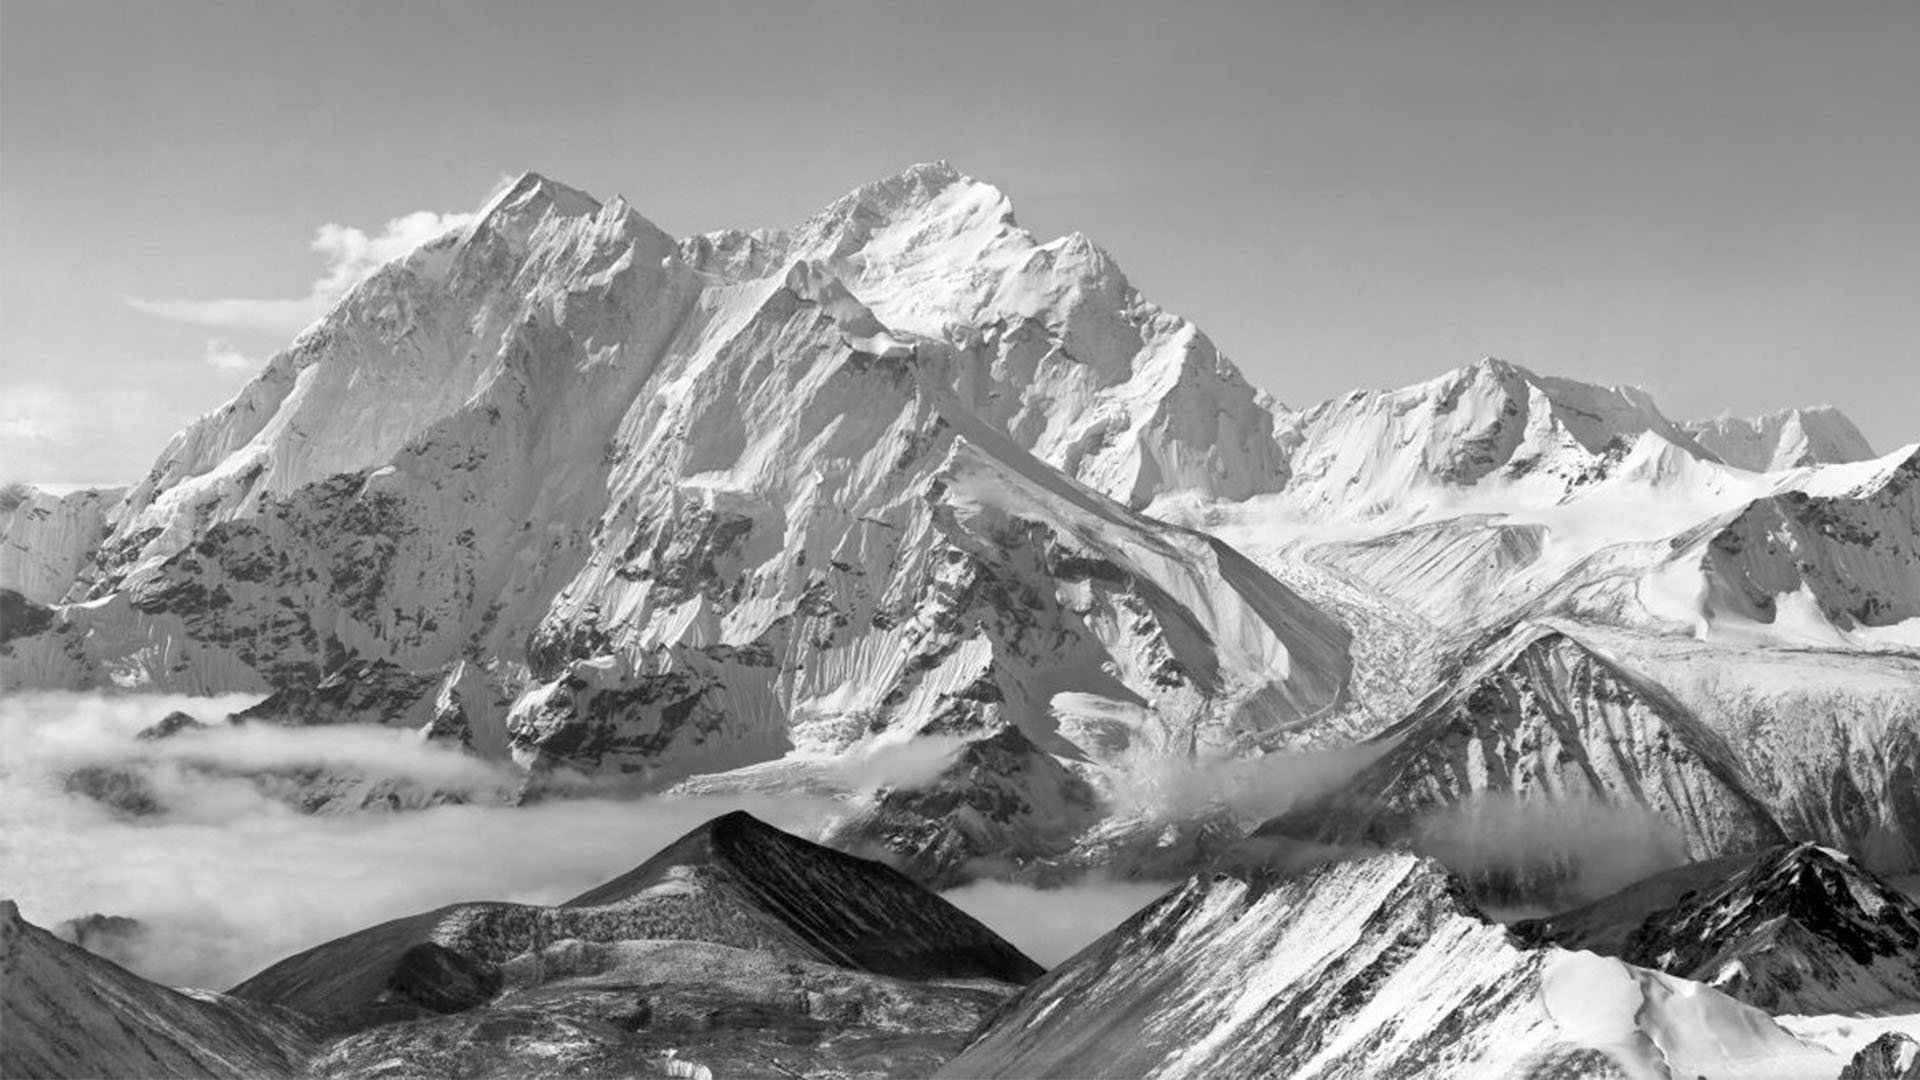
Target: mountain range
<point>632,513</point>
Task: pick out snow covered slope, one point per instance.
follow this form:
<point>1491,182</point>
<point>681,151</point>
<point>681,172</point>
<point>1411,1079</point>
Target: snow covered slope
<point>66,1012</point>
<point>569,491</point>
<point>1829,557</point>
<point>1369,968</point>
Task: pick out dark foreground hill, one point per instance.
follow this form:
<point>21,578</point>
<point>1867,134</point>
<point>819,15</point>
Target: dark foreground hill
<point>739,949</point>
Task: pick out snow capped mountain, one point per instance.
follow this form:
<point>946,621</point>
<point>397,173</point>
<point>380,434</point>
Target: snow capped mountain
<point>1537,727</point>
<point>569,492</point>
<point>563,489</point>
<point>1375,967</point>
<point>1490,429</point>
<point>1787,439</point>
<point>1797,929</point>
<point>1826,557</point>
<point>1553,748</point>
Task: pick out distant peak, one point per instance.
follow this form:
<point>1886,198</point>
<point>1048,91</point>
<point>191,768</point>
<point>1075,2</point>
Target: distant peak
<point>1783,438</point>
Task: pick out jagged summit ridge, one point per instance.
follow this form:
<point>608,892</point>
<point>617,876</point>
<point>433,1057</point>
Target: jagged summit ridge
<point>1361,968</point>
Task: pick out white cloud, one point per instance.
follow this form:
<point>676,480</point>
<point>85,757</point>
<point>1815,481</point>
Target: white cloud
<point>33,414</point>
<point>224,357</point>
<point>228,880</point>
<point>351,256</point>
<point>53,435</point>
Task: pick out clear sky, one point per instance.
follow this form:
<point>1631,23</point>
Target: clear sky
<point>1716,199</point>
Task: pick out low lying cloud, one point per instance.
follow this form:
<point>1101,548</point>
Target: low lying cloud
<point>1564,851</point>
<point>229,879</point>
<point>904,763</point>
<point>1052,924</point>
<point>351,254</point>
<point>1251,789</point>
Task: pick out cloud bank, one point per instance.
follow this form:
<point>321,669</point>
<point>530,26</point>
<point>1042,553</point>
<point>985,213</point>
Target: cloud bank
<point>351,254</point>
<point>228,879</point>
<point>1559,852</point>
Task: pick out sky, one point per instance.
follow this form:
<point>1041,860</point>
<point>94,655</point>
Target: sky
<point>1713,199</point>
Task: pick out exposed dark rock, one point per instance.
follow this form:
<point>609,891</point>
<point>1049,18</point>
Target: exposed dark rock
<point>21,617</point>
<point>1002,804</point>
<point>122,789</point>
<point>1892,1056</point>
<point>113,937</point>
<point>1802,930</point>
<point>170,725</point>
<point>440,980</point>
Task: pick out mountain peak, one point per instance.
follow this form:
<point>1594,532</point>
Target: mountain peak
<point>1802,928</point>
<point>851,911</point>
<point>528,198</point>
